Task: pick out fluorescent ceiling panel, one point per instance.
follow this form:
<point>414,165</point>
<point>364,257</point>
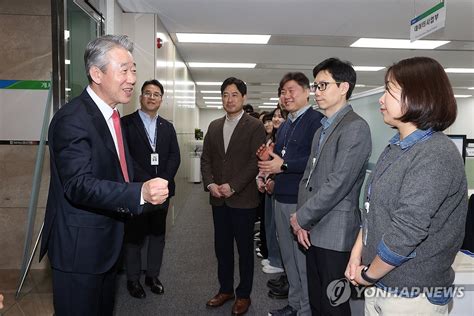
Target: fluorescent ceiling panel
<point>222,38</point>
<point>210,91</point>
<point>368,68</point>
<point>270,103</point>
<point>462,95</point>
<point>214,106</point>
<point>397,43</point>
<point>213,102</point>
<point>460,70</point>
<point>221,65</point>
<point>208,83</point>
<point>266,106</point>
<point>212,98</point>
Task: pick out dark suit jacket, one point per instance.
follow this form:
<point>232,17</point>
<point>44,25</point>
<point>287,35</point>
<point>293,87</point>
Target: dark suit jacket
<point>328,206</point>
<point>87,191</point>
<point>140,149</point>
<point>238,165</point>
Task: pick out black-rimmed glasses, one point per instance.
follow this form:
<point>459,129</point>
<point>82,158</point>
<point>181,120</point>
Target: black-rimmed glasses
<point>321,86</point>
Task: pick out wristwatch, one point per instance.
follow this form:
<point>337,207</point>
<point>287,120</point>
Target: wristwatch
<point>284,166</point>
<point>364,276</point>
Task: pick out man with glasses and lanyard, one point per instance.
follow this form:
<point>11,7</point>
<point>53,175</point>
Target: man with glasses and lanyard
<point>291,151</point>
<point>327,218</point>
<point>154,147</point>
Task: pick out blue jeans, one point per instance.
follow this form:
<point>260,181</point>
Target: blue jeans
<point>274,255</point>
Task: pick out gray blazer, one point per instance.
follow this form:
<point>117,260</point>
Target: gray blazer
<point>328,201</point>
<point>236,166</point>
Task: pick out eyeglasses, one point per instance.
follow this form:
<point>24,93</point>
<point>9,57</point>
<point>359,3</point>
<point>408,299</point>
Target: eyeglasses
<point>321,86</point>
<point>154,95</point>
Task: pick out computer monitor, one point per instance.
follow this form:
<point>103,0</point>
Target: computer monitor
<point>460,142</point>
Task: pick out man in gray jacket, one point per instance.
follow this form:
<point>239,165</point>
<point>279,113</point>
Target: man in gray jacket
<point>327,219</point>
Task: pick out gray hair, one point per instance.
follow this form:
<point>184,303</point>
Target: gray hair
<point>97,49</point>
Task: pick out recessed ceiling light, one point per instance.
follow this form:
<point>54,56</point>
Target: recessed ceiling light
<point>397,43</point>
<point>462,95</point>
<point>274,99</point>
<point>360,85</point>
<point>212,98</point>
<point>208,83</point>
<point>221,65</point>
<point>270,103</point>
<point>210,91</point>
<point>184,97</point>
<point>368,68</point>
<point>470,88</point>
<point>214,106</point>
<point>169,64</point>
<point>185,102</point>
<point>266,106</point>
<point>460,70</point>
<point>213,102</point>
<point>222,38</point>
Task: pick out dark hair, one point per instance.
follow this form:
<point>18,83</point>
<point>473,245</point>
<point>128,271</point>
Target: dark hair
<point>279,91</point>
<point>427,98</point>
<point>267,117</point>
<point>241,86</point>
<point>248,108</point>
<point>341,71</point>
<point>283,112</point>
<point>155,83</point>
<point>299,77</point>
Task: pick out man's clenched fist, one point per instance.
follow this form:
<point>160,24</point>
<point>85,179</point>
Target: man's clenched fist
<point>155,191</point>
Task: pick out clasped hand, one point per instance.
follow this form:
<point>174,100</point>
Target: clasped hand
<point>155,191</point>
<point>221,191</point>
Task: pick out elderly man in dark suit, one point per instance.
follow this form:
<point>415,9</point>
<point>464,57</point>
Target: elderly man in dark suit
<point>229,168</point>
<point>90,190</point>
<point>327,220</point>
<point>154,147</point>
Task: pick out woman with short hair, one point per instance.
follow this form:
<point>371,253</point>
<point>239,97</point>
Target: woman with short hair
<point>415,198</point>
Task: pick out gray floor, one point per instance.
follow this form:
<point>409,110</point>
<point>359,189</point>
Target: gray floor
<point>189,272</point>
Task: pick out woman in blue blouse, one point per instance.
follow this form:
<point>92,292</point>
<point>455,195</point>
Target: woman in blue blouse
<point>416,198</point>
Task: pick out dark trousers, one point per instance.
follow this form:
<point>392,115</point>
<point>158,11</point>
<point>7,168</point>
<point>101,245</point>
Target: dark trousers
<point>83,294</point>
<point>152,224</point>
<point>322,267</point>
<point>229,224</point>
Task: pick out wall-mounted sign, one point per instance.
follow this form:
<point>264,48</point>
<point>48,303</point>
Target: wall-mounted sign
<point>428,22</point>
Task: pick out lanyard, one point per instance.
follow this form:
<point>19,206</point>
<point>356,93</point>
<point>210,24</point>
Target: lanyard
<point>287,140</point>
<point>152,143</point>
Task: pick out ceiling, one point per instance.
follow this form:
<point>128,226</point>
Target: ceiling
<point>305,32</point>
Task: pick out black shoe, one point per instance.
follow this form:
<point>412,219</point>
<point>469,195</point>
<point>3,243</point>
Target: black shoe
<point>278,282</point>
<point>135,289</point>
<point>277,295</point>
<point>155,285</point>
<point>279,292</point>
<point>285,311</point>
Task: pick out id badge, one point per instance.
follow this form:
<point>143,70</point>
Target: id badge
<point>155,159</point>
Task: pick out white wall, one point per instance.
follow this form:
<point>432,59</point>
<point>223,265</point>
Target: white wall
<point>206,116</point>
<point>464,123</point>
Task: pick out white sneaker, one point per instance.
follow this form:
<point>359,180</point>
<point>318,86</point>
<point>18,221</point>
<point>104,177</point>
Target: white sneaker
<point>265,262</point>
<point>271,269</point>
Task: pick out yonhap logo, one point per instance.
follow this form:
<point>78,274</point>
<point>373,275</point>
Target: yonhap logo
<point>338,292</point>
